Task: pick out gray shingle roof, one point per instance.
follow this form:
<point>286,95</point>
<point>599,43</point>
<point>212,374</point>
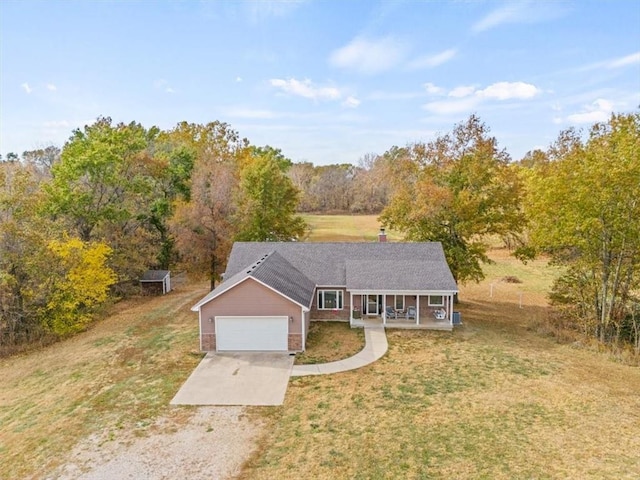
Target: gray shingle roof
<point>280,275</point>
<point>295,268</point>
<point>154,275</point>
<point>325,263</point>
<point>407,275</point>
<point>276,272</point>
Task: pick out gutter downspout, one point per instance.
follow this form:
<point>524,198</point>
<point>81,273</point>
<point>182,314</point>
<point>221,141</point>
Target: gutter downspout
<point>304,322</point>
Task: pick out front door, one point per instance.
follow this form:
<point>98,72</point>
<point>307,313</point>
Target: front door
<point>371,304</point>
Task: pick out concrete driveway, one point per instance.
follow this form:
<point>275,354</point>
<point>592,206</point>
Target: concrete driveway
<point>247,378</point>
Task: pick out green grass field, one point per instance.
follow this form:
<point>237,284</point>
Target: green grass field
<point>345,228</point>
<point>492,400</point>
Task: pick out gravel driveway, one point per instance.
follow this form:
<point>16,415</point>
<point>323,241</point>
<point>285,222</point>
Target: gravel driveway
<point>195,443</point>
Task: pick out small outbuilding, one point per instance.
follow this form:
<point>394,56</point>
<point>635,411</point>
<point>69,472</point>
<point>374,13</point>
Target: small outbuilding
<point>156,282</point>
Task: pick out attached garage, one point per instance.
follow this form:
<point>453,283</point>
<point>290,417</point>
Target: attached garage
<point>264,307</point>
<point>259,333</point>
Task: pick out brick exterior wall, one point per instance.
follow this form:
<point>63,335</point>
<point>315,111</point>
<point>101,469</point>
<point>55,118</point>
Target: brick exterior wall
<point>295,342</point>
<point>208,342</point>
<point>330,314</point>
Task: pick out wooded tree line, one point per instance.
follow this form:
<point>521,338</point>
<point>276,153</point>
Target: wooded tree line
<point>82,223</point>
<point>582,203</point>
<point>344,188</point>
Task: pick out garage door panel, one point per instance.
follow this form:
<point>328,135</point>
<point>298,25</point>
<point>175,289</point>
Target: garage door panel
<point>266,333</point>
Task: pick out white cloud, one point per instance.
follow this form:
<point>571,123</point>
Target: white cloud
<point>51,87</point>
<point>433,89</point>
<point>238,79</point>
<point>519,12</point>
<point>509,90</point>
<point>507,14</point>
<point>462,91</point>
<point>369,56</point>
<point>351,102</point>
<point>306,89</point>
<point>264,9</point>
<point>447,107</point>
<point>598,111</point>
<point>25,86</point>
<point>430,61</point>
<point>467,97</point>
<point>612,63</point>
<point>624,61</point>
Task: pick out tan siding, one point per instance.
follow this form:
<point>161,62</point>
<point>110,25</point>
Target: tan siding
<point>250,298</point>
<point>307,322</point>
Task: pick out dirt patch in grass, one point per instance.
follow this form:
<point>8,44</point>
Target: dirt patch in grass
<point>224,436</point>
<point>511,279</point>
<point>331,341</point>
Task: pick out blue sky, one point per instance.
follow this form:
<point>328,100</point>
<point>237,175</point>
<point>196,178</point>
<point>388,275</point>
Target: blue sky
<point>326,81</point>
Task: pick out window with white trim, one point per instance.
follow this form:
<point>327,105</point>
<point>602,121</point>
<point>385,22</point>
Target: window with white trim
<point>398,302</point>
<point>330,299</point>
<point>436,300</point>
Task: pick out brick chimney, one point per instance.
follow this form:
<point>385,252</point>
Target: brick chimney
<point>382,237</point>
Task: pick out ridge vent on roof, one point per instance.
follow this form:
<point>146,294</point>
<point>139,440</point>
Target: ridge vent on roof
<point>256,264</point>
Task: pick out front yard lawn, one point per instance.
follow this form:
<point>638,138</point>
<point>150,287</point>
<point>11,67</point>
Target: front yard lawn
<point>331,341</point>
<point>482,402</point>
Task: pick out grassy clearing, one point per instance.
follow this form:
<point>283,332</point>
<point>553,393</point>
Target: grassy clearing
<point>481,403</point>
<point>117,376</point>
<point>493,400</point>
<point>331,341</point>
<point>345,228</point>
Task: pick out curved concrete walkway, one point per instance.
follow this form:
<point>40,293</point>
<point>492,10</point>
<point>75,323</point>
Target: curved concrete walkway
<point>375,347</point>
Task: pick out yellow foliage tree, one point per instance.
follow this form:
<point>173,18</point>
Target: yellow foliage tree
<point>79,283</point>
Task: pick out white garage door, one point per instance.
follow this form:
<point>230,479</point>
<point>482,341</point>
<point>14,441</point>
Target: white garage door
<point>252,333</point>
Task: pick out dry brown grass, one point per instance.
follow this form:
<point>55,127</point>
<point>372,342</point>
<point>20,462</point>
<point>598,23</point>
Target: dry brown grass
<point>331,341</point>
<point>345,228</point>
<point>494,399</point>
<point>117,376</point>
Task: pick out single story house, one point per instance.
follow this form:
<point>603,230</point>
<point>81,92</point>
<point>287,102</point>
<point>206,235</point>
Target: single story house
<point>272,290</point>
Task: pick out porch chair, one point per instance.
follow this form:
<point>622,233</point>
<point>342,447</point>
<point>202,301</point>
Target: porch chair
<point>390,312</point>
<point>411,313</point>
<point>440,314</point>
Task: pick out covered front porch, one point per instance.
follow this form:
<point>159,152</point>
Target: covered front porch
<point>402,309</point>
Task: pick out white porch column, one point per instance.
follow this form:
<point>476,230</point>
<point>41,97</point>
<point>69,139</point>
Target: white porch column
<point>350,309</point>
<point>451,309</point>
<point>417,309</point>
<point>304,336</point>
<point>384,309</point>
